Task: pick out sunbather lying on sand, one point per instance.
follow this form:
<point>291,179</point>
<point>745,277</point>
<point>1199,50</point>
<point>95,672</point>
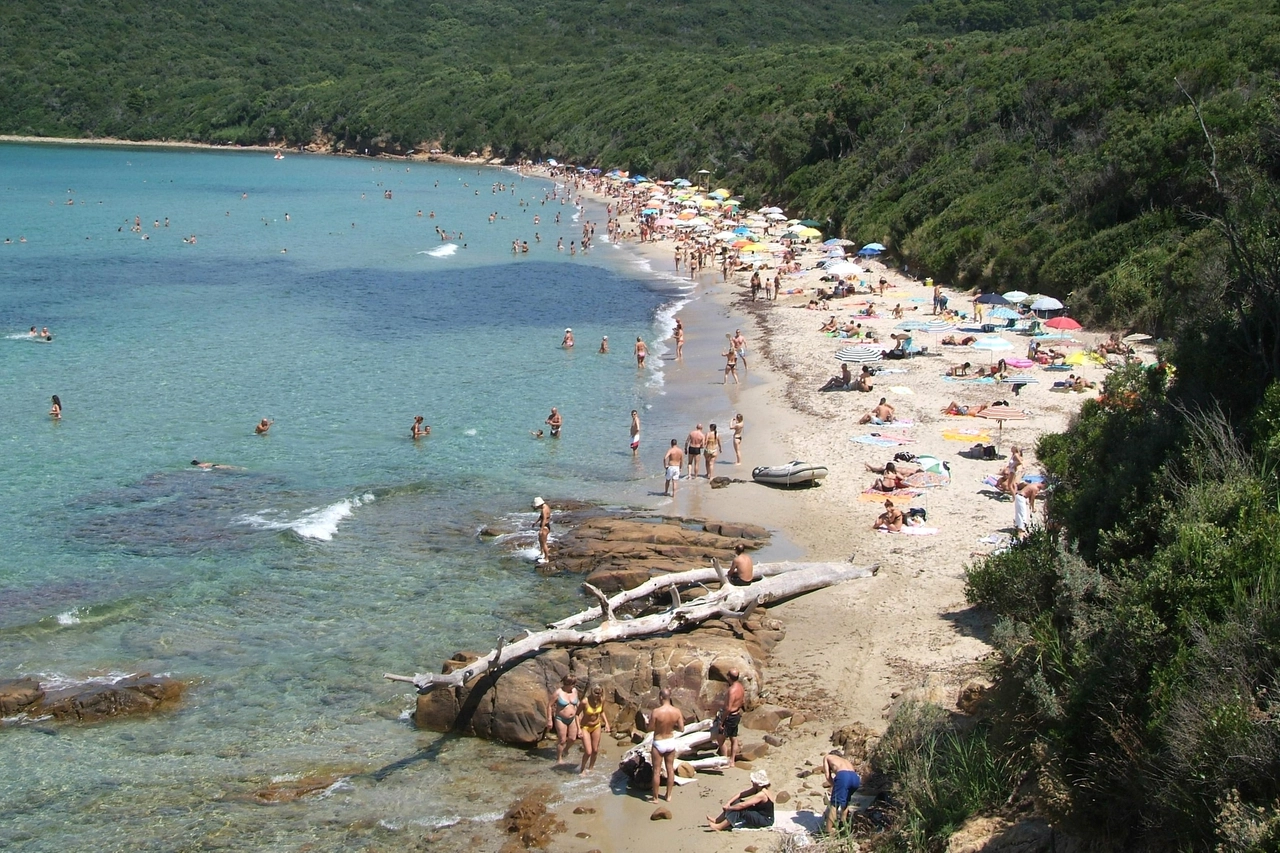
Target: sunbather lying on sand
<point>903,469</point>
<point>950,341</point>
<point>954,408</point>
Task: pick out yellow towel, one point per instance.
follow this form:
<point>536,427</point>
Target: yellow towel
<point>960,435</point>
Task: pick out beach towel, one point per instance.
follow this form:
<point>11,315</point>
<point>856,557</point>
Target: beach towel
<point>900,422</point>
<point>911,531</point>
<point>877,440</point>
<point>966,435</point>
<point>901,389</point>
<point>797,823</point>
<point>886,371</point>
<point>876,496</point>
<point>977,380</point>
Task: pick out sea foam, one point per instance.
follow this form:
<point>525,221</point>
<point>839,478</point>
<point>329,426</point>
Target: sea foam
<point>447,250</point>
<point>317,523</point>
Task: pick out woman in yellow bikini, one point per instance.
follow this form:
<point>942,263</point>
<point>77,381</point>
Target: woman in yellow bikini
<point>591,718</point>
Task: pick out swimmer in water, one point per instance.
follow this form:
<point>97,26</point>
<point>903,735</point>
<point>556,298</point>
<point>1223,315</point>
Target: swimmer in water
<point>212,465</point>
<point>419,429</point>
<point>56,410</point>
<point>263,426</point>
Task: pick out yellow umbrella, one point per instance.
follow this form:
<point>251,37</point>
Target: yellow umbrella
<point>709,202</point>
<point>808,233</point>
<point>720,193</point>
<point>1079,357</point>
<point>755,247</point>
<point>686,215</point>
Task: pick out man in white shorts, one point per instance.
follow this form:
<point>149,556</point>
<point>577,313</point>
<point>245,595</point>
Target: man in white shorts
<point>1024,505</point>
<point>672,462</point>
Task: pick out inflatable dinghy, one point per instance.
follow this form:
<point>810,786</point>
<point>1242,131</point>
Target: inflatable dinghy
<point>791,474</point>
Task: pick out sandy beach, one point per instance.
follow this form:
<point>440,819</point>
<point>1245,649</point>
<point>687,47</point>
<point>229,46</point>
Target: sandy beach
<point>855,649</point>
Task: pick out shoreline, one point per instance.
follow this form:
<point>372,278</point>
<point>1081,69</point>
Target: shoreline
<point>851,655</point>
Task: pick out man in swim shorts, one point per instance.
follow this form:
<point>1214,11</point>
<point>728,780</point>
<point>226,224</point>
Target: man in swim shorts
<point>668,723</point>
<point>735,699</point>
<point>555,421</point>
<point>672,462</point>
<point>844,780</point>
<point>693,448</point>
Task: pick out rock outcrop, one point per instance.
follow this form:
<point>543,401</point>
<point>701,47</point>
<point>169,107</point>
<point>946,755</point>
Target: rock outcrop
<point>511,706</point>
<point>89,701</point>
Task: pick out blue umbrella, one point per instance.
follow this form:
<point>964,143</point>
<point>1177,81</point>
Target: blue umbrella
<point>911,325</point>
<point>991,299</point>
<point>1002,313</point>
<point>866,253</point>
<point>875,247</point>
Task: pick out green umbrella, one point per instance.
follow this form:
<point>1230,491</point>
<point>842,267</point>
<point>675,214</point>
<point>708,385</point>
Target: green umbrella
<point>812,223</point>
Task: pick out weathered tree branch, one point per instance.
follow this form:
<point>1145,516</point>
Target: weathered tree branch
<point>728,602</point>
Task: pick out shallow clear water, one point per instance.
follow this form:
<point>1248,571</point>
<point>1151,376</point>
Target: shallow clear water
<point>339,548</point>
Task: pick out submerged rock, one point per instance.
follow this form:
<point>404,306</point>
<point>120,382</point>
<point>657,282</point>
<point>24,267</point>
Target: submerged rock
<point>90,701</point>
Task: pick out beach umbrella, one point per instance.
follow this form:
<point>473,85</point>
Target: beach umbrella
<point>874,247</point>
<point>1015,296</point>
<point>774,210</point>
<point>835,251</point>
<point>1066,324</point>
<point>933,465</point>
<point>1079,357</point>
<point>666,222</point>
<point>742,231</point>
<point>755,247</point>
<point>868,253</point>
<point>649,211</point>
<point>1046,303</point>
<point>1020,379</point>
<point>838,241</point>
<point>991,299</point>
<point>992,344</point>
<point>681,182</point>
<point>808,233</point>
<point>858,355</point>
<point>843,268</point>
<point>720,193</point>
<point>811,223</point>
<point>911,325</point>
<point>1000,414</point>
<point>1136,338</point>
<point>937,327</point>
<point>1000,312</point>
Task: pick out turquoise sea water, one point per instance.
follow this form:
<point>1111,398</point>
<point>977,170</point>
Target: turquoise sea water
<point>340,548</point>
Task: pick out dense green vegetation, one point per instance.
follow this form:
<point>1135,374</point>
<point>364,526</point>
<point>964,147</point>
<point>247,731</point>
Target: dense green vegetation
<point>1062,157</point>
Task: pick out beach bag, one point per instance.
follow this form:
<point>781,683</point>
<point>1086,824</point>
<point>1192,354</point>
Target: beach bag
<point>918,512</point>
<point>988,451</point>
<point>904,456</point>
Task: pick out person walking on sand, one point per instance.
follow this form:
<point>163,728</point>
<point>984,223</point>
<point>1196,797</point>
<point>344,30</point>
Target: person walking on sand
<point>740,347</point>
<point>730,365</point>
<point>263,426</point>
<point>562,714</point>
<point>635,432</point>
<point>710,450</point>
<point>671,464</point>
<point>735,426</point>
<point>730,716</point>
<point>419,429</point>
<point>591,719</point>
<point>668,724</point>
<point>555,421</point>
<point>843,778</point>
<point>641,352</point>
<point>679,336</point>
<point>55,411</point>
<point>693,445</point>
<point>544,529</point>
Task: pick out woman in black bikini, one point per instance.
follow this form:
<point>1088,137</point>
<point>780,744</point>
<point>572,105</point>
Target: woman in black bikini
<point>562,713</point>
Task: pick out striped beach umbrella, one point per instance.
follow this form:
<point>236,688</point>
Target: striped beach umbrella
<point>937,327</point>
<point>1000,414</point>
<point>911,325</point>
<point>1000,312</point>
<point>860,354</point>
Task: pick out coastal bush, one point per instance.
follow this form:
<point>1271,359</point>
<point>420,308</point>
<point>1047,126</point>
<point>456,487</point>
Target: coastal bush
<point>940,775</point>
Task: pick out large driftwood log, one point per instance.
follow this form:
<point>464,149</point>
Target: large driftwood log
<point>726,602</point>
<point>675,580</point>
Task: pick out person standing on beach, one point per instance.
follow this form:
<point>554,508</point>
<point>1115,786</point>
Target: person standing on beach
<point>544,528</point>
<point>730,716</point>
<point>1024,507</point>
<point>641,352</point>
<point>555,421</point>
<point>668,724</point>
<point>679,336</point>
<point>693,448</point>
<point>740,347</point>
<point>730,364</point>
<point>671,464</point>
<point>735,426</point>
<point>635,433</point>
<point>710,450</point>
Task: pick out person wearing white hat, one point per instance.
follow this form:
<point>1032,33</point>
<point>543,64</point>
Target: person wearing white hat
<point>567,343</point>
<point>544,527</point>
<point>751,809</point>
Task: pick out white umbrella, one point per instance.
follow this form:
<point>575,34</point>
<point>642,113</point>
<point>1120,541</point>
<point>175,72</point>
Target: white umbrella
<point>858,355</point>
<point>776,216</point>
<point>1136,338</point>
<point>773,210</point>
<point>843,268</point>
<point>1046,303</point>
<point>992,344</point>
<point>1015,296</point>
<point>937,327</point>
